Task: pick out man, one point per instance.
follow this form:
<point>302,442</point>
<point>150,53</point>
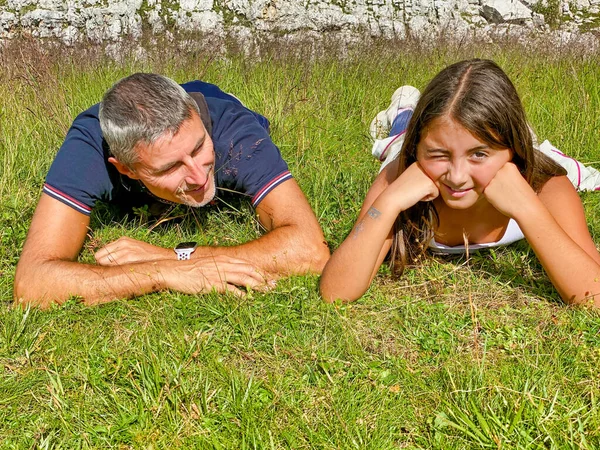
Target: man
<point>150,139</point>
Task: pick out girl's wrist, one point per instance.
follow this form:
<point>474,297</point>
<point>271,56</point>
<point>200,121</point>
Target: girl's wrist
<point>398,200</point>
<point>390,203</point>
<point>532,209</point>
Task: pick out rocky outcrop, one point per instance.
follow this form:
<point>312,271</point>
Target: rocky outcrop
<point>102,20</point>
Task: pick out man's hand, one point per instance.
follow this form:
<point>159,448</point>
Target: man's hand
<point>220,273</point>
<point>126,250</point>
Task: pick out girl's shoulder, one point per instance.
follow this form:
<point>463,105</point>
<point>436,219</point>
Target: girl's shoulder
<point>558,191</point>
<point>562,201</point>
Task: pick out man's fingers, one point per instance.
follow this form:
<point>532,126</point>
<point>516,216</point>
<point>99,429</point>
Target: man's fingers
<point>233,290</point>
<point>228,266</point>
<point>106,251</point>
<point>250,277</point>
<point>101,256</point>
<point>238,274</point>
<point>238,278</point>
<point>106,257</point>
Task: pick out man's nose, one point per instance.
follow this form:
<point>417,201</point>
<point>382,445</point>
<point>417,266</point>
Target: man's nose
<point>197,174</point>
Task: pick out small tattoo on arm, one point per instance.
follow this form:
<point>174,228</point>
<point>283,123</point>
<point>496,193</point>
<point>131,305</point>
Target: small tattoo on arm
<point>373,213</point>
<point>358,229</point>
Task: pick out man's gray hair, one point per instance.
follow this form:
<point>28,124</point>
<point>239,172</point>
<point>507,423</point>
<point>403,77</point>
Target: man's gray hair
<point>140,109</point>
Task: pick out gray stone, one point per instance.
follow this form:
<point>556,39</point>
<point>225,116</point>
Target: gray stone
<point>510,10</point>
<point>113,19</point>
<point>8,24</point>
<point>491,14</point>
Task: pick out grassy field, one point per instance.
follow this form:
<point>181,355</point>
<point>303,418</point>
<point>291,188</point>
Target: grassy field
<point>477,353</point>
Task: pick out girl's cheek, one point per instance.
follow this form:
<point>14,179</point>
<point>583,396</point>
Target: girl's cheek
<point>432,169</point>
<point>484,178</point>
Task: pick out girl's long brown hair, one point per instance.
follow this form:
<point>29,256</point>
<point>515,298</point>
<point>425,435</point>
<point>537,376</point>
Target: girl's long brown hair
<point>478,95</point>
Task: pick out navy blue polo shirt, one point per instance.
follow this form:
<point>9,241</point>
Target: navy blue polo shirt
<point>246,160</point>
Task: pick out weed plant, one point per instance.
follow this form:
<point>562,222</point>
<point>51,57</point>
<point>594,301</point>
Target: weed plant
<point>476,353</point>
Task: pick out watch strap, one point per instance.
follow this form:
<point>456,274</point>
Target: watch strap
<point>184,254</point>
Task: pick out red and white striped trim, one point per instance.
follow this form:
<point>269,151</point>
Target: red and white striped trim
<point>270,186</point>
<point>384,152</point>
<point>64,198</point>
<point>576,165</point>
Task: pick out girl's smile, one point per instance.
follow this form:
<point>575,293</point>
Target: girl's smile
<point>456,193</point>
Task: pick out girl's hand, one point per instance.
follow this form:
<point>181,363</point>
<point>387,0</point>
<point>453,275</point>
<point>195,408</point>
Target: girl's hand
<point>509,192</point>
<point>411,187</point>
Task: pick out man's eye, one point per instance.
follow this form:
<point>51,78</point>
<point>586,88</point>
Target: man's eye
<point>167,171</point>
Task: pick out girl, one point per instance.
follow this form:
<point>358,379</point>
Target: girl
<point>467,175</point>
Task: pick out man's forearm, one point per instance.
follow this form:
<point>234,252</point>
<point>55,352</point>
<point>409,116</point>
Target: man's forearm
<point>56,281</point>
<point>284,251</point>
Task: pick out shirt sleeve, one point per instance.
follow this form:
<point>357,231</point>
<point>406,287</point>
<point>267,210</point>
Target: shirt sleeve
<point>79,175</point>
<point>247,160</point>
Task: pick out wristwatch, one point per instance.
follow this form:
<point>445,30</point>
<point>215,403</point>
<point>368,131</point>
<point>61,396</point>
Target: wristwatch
<point>184,250</point>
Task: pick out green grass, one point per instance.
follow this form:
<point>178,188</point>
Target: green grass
<point>456,354</point>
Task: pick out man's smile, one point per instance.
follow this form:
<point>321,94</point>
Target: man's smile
<point>184,188</point>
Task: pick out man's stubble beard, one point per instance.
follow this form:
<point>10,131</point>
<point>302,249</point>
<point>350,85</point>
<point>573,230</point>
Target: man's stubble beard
<point>189,201</point>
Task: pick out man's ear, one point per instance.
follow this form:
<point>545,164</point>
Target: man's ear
<point>123,168</point>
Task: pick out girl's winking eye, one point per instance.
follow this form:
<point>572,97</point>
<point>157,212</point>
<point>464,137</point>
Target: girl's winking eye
<point>436,155</point>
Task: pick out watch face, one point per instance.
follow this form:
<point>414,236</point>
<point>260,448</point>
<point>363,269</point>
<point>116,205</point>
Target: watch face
<point>185,245</point>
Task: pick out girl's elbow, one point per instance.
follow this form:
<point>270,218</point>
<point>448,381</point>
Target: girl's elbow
<point>330,294</point>
<point>587,297</point>
<point>327,295</point>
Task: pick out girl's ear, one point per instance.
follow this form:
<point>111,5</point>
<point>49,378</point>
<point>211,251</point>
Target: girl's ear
<point>122,168</point>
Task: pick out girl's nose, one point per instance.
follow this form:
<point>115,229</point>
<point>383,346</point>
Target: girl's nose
<point>457,174</point>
